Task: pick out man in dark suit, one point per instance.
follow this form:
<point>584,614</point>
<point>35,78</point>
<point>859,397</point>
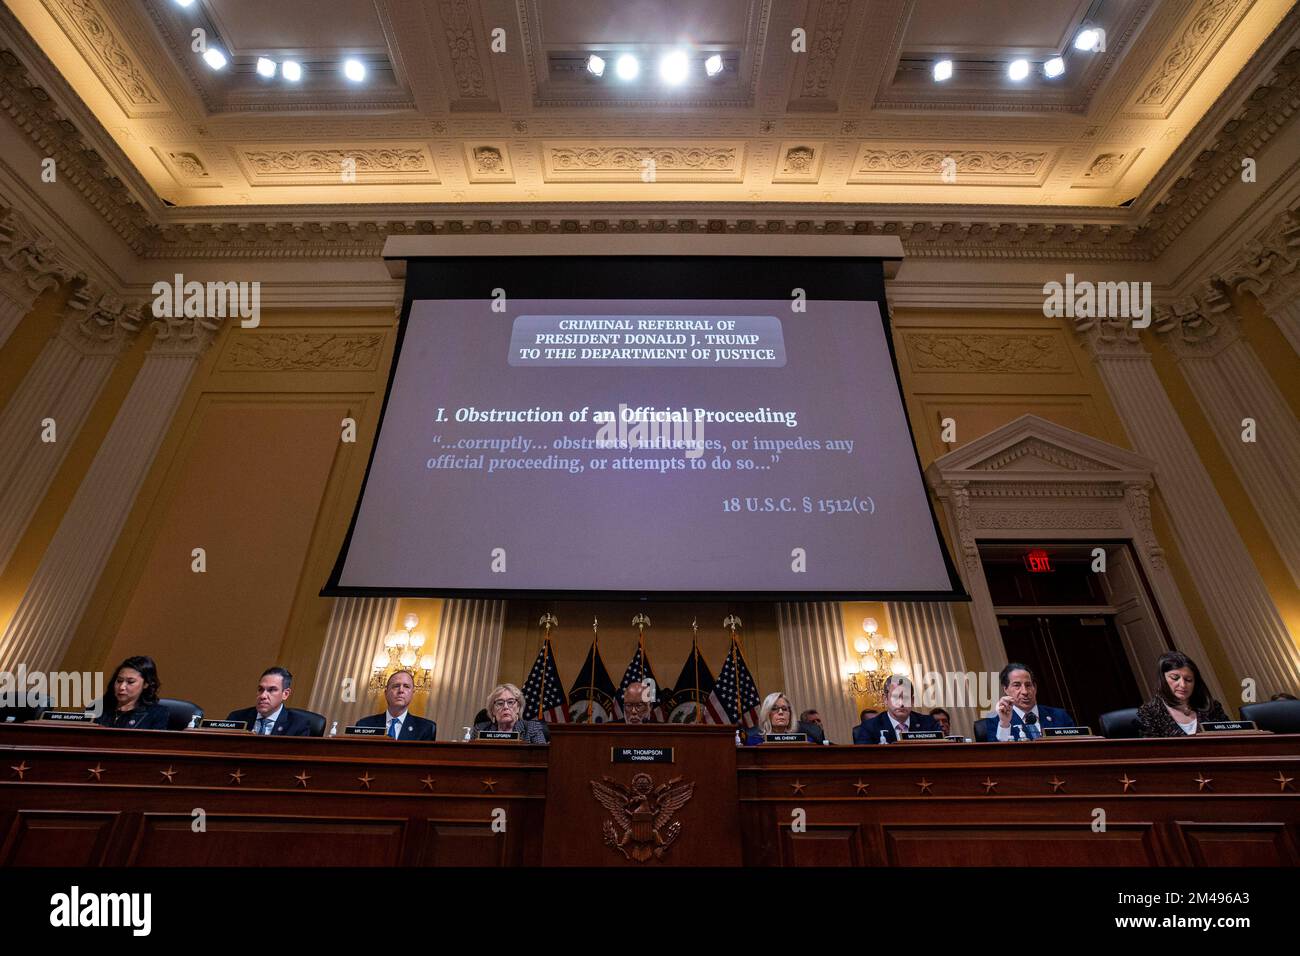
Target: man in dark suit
<point>398,720</point>
<point>269,716</point>
<point>1019,713</point>
<point>897,718</point>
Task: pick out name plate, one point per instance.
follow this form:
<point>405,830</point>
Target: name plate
<point>920,735</point>
<point>641,754</point>
<point>498,735</point>
<point>212,724</point>
<point>957,739</point>
<point>786,738</point>
<point>1067,731</point>
<point>68,716</point>
<point>356,731</point>
<point>1211,726</point>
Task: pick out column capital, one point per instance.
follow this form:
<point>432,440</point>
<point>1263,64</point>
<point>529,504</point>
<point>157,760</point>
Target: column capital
<point>1200,325</point>
<point>184,336</point>
<point>29,263</point>
<point>1110,338</point>
<point>100,323</point>
<point>1269,264</point>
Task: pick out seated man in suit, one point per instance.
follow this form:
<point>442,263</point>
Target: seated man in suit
<point>269,715</point>
<point>897,718</point>
<point>401,723</point>
<point>636,708</point>
<point>1020,701</point>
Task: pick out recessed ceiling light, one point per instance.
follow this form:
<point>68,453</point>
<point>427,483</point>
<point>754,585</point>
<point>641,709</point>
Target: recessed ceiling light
<point>942,70</point>
<point>291,70</point>
<point>214,58</point>
<point>265,67</point>
<point>1054,67</point>
<point>595,65</point>
<point>354,70</point>
<point>184,3</point>
<point>1087,39</point>
<point>1018,69</point>
<point>674,68</point>
<point>627,67</point>
<point>713,65</point>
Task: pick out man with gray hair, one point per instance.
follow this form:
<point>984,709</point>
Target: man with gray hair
<point>636,703</point>
<point>897,718</point>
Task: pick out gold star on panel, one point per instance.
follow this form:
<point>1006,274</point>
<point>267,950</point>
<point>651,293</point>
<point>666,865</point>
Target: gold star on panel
<point>237,776</point>
<point>490,785</point>
<point>924,785</point>
<point>96,771</point>
<point>990,785</point>
<point>1284,782</point>
<point>861,787</point>
<point>1203,782</point>
<point>1128,783</point>
<point>428,781</point>
<point>168,773</point>
<point>1057,783</point>
<point>797,787</point>
<point>302,778</point>
<point>365,779</point>
<point>22,768</point>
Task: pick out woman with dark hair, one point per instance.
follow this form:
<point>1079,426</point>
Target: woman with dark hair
<point>1183,703</point>
<point>132,699</point>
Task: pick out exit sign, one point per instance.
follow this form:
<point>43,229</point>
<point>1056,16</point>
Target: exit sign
<point>1038,561</point>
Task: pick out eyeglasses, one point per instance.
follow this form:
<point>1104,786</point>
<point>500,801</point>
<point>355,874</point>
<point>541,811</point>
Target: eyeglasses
<point>780,709</point>
<point>505,702</point>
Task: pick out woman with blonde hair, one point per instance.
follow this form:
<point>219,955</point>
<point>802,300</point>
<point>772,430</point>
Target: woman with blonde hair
<point>776,716</point>
<point>505,707</point>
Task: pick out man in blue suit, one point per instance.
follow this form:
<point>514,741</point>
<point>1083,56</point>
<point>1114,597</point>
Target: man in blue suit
<point>269,716</point>
<point>1019,713</point>
<point>897,717</point>
<point>398,721</point>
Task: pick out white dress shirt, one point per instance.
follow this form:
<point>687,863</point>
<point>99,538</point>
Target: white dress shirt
<point>268,721</point>
<point>401,722</point>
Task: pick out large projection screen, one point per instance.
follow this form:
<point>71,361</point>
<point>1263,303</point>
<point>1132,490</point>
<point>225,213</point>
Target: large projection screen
<point>645,426</point>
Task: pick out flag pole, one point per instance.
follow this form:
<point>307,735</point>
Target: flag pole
<point>695,660</point>
<point>548,621</point>
<point>733,622</point>
<point>591,681</point>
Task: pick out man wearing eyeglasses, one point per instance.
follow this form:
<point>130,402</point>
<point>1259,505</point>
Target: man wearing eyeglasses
<point>504,709</point>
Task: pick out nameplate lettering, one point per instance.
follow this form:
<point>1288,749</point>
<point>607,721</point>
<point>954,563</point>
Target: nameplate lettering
<point>957,739</point>
<point>786,738</point>
<point>921,735</point>
<point>1211,726</point>
<point>641,754</point>
<point>358,731</point>
<point>498,735</point>
<point>68,716</point>
<point>1067,731</point>
<point>212,724</point>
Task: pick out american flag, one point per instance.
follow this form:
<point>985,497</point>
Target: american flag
<point>722,702</point>
<point>639,668</point>
<point>544,697</point>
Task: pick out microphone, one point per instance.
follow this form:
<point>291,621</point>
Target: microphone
<point>1030,719</point>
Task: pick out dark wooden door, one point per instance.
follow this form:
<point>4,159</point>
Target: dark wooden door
<point>1078,662</point>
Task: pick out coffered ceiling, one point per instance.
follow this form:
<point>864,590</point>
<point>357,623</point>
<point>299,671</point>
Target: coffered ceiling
<point>486,102</point>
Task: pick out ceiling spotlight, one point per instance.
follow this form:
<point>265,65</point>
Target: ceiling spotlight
<point>674,68</point>
<point>713,65</point>
<point>1018,69</point>
<point>1054,67</point>
<point>627,67</point>
<point>1087,39</point>
<point>354,70</point>
<point>214,58</point>
<point>595,65</point>
<point>942,70</point>
<point>184,3</point>
<point>291,70</point>
<point>265,67</point>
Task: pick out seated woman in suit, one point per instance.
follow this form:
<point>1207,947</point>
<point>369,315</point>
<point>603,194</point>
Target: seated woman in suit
<point>1183,702</point>
<point>776,716</point>
<point>132,699</point>
<point>504,706</point>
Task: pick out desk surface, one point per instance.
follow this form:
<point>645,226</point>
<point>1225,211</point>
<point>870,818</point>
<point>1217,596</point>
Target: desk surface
<point>87,796</point>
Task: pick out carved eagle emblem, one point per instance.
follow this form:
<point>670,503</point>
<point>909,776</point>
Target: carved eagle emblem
<point>641,823</point>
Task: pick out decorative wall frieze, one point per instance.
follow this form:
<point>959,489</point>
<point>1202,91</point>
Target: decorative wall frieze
<point>92,32</point>
<point>984,352</point>
<point>874,164</point>
<point>631,162</point>
<point>291,165</point>
<point>1182,57</point>
<point>303,351</point>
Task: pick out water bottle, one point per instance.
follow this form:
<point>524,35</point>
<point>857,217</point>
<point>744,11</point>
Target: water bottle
<point>334,729</point>
<point>194,721</point>
<point>469,734</point>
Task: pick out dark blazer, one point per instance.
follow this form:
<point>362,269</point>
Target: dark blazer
<point>1154,719</point>
<point>413,727</point>
<point>148,717</point>
<point>290,723</point>
<point>868,732</point>
<point>1047,717</point>
<point>815,734</point>
<point>530,731</point>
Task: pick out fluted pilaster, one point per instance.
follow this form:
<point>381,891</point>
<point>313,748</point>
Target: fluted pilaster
<point>813,655</point>
<point>927,640</point>
<point>466,659</point>
<point>355,635</point>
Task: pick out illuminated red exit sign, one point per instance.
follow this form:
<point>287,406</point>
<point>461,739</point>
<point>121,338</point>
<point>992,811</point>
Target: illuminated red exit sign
<point>1038,561</point>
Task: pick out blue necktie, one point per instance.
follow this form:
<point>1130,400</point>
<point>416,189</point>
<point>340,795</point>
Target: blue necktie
<point>261,721</point>
<point>392,727</point>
